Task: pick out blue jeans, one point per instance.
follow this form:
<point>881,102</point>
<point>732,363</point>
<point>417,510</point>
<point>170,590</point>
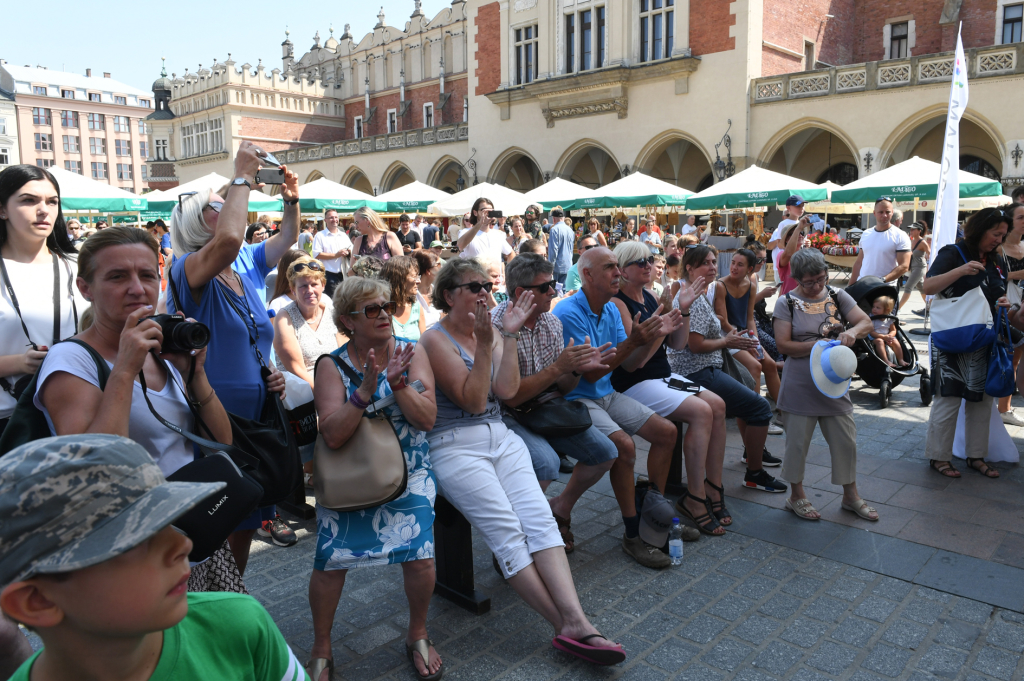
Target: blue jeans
<point>740,401</point>
<point>590,448</point>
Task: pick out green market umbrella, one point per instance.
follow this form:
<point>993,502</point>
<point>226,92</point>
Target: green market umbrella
<point>414,197</point>
<point>915,178</point>
<point>78,193</point>
<point>320,195</point>
<point>559,192</point>
<point>754,186</point>
<point>634,191</point>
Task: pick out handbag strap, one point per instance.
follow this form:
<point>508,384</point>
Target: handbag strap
<point>241,458</point>
<point>348,371</point>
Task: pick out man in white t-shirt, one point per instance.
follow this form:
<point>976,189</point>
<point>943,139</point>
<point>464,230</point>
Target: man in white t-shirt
<point>332,247</point>
<point>884,250</point>
<point>794,209</point>
<point>690,226</point>
<point>481,239</point>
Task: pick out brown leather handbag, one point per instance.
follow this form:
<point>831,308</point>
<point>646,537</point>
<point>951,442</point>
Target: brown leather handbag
<point>368,470</point>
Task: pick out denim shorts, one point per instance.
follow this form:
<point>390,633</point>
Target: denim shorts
<point>740,401</point>
<point>589,448</point>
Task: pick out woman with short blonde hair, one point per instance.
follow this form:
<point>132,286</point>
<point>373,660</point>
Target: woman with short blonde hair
<point>305,329</point>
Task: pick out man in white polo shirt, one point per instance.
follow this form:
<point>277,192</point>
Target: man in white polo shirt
<point>884,249</point>
<point>332,247</point>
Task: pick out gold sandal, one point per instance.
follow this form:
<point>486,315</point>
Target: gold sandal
<point>422,647</point>
<point>316,667</point>
<point>861,508</point>
<point>803,509</point>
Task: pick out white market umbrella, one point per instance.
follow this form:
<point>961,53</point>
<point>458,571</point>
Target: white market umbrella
<point>755,186</point>
<point>634,191</point>
<point>414,197</point>
<point>165,201</point>
<point>322,194</point>
<point>559,192</point>
<point>78,193</point>
<point>915,178</point>
<point>509,201</point>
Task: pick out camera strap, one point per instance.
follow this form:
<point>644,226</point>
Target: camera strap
<point>4,383</point>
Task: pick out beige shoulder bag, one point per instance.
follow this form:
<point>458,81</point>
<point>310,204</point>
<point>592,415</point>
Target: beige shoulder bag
<point>368,470</point>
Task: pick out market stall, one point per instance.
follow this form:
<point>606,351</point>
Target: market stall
<point>509,201</point>
<point>559,192</point>
<point>414,197</point>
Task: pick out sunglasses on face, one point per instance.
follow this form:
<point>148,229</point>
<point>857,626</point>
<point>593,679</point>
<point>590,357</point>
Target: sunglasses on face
<point>475,286</point>
<point>642,262</point>
<point>315,266</point>
<point>543,287</point>
<point>587,248</point>
<point>373,311</point>
<point>758,261</point>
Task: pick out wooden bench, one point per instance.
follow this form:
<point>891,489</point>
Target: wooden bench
<point>453,559</point>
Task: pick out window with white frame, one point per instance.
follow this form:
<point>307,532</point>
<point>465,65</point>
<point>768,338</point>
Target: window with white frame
<point>3,126</point>
<point>39,90</point>
<point>202,141</point>
<point>465,109</point>
<point>44,162</point>
<point>143,149</point>
<point>1013,18</point>
<point>124,171</point>
<point>144,172</point>
<point>526,45</point>
<point>67,94</point>
<point>99,170</point>
<point>73,167</point>
<point>5,156</point>
<point>97,146</point>
<point>161,149</point>
<point>657,29</point>
<point>428,115</point>
<point>44,141</point>
<point>217,135</point>
<point>392,120</point>
<point>120,100</point>
<point>357,128</point>
<point>94,97</point>
<point>142,127</point>
<point>121,124</point>
<point>72,144</point>
<point>188,141</point>
<point>122,148</point>
<point>899,39</point>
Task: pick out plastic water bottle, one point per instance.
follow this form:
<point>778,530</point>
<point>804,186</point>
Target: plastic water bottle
<point>675,542</point>
<point>759,351</point>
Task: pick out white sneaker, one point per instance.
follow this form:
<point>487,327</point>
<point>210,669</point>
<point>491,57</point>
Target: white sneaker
<point>1010,418</point>
<point>774,428</point>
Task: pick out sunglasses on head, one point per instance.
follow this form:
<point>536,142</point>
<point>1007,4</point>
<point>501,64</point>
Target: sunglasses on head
<point>373,311</point>
<point>183,196</point>
<point>649,261</point>
<point>883,198</point>
<point>543,287</point>
<point>315,266</point>
<point>476,286</point>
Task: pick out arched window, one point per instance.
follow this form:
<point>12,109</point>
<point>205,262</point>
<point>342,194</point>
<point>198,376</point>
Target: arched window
<point>978,166</point>
<point>840,173</point>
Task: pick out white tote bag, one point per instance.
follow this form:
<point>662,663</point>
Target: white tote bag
<point>962,324</point>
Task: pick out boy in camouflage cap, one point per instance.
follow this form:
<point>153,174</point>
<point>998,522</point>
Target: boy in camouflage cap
<point>89,561</point>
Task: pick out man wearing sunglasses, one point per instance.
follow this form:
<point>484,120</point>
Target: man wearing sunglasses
<point>591,316</point>
<point>884,249</point>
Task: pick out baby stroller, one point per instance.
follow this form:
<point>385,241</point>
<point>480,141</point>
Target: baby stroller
<point>871,368</point>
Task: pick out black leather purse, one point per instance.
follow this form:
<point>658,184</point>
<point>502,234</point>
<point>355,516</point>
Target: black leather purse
<point>556,417</point>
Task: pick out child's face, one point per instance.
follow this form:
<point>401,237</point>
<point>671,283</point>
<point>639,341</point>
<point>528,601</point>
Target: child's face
<point>878,308</point>
<point>139,592</point>
<point>659,268</point>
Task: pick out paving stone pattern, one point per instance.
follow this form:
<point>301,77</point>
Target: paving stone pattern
<point>738,608</point>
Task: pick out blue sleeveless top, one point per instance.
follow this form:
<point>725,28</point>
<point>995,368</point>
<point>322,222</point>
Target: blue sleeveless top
<point>451,415</point>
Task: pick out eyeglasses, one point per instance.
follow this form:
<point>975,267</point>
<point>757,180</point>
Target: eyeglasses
<point>817,281</point>
<point>373,311</point>
<point>299,267</point>
<point>543,287</point>
<point>648,262</point>
<point>587,248</point>
<point>476,286</point>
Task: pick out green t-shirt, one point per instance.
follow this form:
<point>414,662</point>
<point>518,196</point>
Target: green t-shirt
<point>224,636</point>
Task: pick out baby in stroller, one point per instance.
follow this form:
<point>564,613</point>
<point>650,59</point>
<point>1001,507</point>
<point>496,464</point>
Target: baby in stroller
<point>884,333</point>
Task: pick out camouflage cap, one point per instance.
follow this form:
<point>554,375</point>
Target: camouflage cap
<point>73,501</point>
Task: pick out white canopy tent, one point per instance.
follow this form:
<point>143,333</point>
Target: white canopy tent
<point>559,192</point>
<point>166,200</point>
<point>634,191</point>
<point>412,198</point>
<point>508,201</point>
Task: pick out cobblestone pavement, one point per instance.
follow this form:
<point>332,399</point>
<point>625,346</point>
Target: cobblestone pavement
<point>738,608</point>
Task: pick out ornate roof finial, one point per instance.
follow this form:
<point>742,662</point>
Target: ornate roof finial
<point>380,18</point>
<point>316,39</point>
<point>163,66</point>
<point>331,29</point>
<point>348,32</point>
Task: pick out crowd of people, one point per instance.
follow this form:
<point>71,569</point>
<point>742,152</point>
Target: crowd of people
<point>498,349</point>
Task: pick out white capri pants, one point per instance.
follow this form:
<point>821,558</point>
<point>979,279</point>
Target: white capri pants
<point>486,472</point>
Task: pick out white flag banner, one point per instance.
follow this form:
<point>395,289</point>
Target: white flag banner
<point>947,203</point>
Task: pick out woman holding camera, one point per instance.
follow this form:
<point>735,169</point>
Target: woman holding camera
<point>36,251</point>
<point>208,231</point>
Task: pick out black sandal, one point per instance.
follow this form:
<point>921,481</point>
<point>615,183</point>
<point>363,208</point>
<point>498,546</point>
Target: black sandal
<point>983,468</point>
<point>705,522</point>
<point>718,507</point>
<point>944,468</point>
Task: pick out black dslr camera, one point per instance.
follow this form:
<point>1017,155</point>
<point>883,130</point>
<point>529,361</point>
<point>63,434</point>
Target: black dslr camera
<point>181,335</point>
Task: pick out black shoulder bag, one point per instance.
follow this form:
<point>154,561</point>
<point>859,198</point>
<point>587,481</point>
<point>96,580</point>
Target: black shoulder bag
<point>272,456</point>
<point>28,423</point>
<point>17,388</point>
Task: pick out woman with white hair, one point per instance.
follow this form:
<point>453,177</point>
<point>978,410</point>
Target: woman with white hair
<point>374,236</point>
<point>207,231</point>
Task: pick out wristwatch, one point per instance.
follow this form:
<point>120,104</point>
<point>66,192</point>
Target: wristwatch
<point>240,181</point>
<point>510,335</point>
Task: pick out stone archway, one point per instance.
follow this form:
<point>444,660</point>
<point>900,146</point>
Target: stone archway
<point>588,163</point>
<point>810,152</point>
<point>677,158</point>
<point>516,169</point>
<point>445,173</point>
<point>923,137</point>
<point>397,175</point>
<point>357,179</point>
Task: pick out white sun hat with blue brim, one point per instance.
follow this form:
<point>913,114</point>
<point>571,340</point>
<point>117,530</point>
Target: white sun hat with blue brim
<point>832,367</point>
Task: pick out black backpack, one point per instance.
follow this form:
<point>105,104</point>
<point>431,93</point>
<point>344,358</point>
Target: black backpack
<point>28,423</point>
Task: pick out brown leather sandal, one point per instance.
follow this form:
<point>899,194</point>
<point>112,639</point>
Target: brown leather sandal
<point>563,529</point>
<point>944,468</point>
<point>980,466</point>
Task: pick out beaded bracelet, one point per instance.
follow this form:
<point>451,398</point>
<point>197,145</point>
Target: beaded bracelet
<point>357,402</point>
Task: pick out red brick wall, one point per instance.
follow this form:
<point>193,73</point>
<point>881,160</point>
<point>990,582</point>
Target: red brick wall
<point>413,119</point>
<point>298,133</point>
<point>788,23</point>
<point>978,17</point>
<point>488,47</point>
<point>709,27</point>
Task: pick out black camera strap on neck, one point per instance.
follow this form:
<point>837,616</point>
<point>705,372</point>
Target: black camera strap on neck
<point>4,383</point>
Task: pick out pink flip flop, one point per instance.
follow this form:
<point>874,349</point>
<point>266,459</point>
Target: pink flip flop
<point>593,654</point>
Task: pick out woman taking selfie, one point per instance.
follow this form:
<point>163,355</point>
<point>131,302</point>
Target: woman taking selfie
<point>39,271</point>
<point>400,531</point>
<point>207,232</point>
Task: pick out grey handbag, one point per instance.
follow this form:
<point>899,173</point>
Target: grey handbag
<point>736,370</point>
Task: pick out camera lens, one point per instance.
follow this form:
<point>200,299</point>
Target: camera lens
<point>191,335</point>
